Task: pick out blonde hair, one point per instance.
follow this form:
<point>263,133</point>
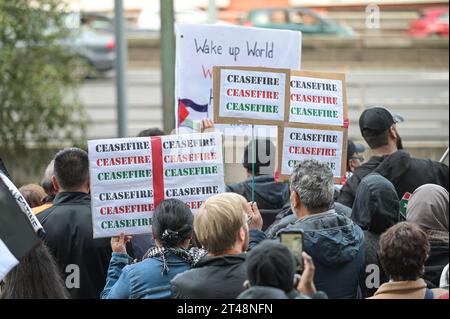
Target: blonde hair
<point>219,220</point>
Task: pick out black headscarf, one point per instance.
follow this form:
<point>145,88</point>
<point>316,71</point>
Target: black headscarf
<point>376,206</point>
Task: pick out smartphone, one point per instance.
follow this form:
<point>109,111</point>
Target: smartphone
<point>293,239</point>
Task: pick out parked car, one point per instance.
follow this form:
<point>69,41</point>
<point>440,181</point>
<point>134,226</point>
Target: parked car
<point>297,19</point>
<point>432,23</point>
<point>94,47</point>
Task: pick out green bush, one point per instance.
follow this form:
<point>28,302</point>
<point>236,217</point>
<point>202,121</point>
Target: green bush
<point>38,78</point>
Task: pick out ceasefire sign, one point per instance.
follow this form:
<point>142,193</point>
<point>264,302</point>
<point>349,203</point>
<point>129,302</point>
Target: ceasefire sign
<point>131,176</point>
<point>251,95</point>
<point>309,108</point>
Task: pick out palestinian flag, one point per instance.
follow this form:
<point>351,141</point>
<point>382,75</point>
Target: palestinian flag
<point>18,226</point>
<point>188,107</point>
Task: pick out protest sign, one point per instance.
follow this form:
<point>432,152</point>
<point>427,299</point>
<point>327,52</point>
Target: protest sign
<point>318,98</point>
<point>325,144</point>
<point>131,176</point>
<point>201,47</point>
<point>251,95</point>
<point>315,124</point>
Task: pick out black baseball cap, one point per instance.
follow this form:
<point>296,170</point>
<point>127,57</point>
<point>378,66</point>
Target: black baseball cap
<point>269,150</point>
<point>376,120</point>
<point>353,148</point>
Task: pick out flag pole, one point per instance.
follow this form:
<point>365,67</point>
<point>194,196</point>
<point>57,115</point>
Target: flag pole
<point>444,156</point>
<point>253,162</point>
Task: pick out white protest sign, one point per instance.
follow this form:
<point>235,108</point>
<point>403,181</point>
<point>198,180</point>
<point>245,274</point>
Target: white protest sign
<point>201,47</point>
<point>131,176</point>
<point>250,95</point>
<point>325,145</point>
<point>318,98</point>
<point>193,167</point>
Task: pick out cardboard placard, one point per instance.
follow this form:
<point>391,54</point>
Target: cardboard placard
<point>317,107</point>
<point>318,98</point>
<point>248,95</point>
<point>325,144</point>
<point>131,176</point>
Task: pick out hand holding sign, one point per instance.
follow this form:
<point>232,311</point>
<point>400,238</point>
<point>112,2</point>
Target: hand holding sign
<point>118,244</point>
<point>255,218</point>
<point>131,176</point>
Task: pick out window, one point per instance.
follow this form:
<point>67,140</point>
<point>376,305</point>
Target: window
<point>299,17</point>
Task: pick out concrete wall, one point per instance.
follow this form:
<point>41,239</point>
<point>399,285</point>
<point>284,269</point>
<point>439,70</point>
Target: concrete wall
<point>335,53</point>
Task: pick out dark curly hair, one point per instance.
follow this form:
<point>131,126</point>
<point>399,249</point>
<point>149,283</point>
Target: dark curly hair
<point>404,249</point>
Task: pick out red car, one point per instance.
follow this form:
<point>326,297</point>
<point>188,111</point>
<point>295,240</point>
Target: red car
<point>433,23</point>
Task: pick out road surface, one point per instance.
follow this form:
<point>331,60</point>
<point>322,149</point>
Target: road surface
<point>420,97</point>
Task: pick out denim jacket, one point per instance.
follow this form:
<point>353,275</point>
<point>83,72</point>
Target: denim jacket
<point>142,280</point>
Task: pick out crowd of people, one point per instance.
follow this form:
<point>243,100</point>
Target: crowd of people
<point>356,242</point>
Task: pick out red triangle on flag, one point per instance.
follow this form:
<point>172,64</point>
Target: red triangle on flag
<point>183,112</point>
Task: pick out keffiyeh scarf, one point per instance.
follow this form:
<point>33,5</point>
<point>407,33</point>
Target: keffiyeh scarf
<point>191,256</point>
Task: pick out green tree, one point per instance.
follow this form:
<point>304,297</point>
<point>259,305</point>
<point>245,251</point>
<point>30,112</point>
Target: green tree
<point>38,76</point>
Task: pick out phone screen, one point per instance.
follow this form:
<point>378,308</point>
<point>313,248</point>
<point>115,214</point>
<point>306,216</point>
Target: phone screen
<point>294,241</point>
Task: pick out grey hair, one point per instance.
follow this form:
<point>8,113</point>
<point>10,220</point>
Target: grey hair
<point>314,184</point>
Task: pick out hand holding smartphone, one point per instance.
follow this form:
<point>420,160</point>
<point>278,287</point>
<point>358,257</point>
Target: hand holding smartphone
<point>293,239</point>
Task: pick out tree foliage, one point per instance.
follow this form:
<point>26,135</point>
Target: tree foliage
<point>38,78</point>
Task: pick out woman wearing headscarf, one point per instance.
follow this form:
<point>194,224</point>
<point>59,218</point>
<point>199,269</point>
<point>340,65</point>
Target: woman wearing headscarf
<point>428,208</point>
<point>376,208</point>
<point>172,226</point>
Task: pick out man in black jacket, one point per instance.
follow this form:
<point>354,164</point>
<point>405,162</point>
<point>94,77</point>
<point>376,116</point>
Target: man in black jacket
<point>82,260</point>
<point>222,227</point>
<point>269,194</point>
<point>378,128</point>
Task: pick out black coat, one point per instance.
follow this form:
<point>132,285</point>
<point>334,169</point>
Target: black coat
<point>266,292</point>
<point>220,277</point>
<point>268,193</point>
<point>437,260</point>
<point>403,171</point>
<point>68,227</point>
<point>375,210</point>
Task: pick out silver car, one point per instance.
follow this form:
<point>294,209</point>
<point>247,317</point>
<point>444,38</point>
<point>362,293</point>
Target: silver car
<point>94,48</point>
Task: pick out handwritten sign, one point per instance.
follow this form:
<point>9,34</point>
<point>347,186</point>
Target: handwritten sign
<point>131,176</point>
<point>251,95</point>
<point>318,98</point>
<point>325,145</point>
<point>201,47</point>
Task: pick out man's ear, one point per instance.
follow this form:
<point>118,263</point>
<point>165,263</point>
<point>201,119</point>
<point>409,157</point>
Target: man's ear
<point>393,132</point>
<point>351,165</point>
<point>295,200</point>
<point>241,235</point>
<point>55,184</point>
